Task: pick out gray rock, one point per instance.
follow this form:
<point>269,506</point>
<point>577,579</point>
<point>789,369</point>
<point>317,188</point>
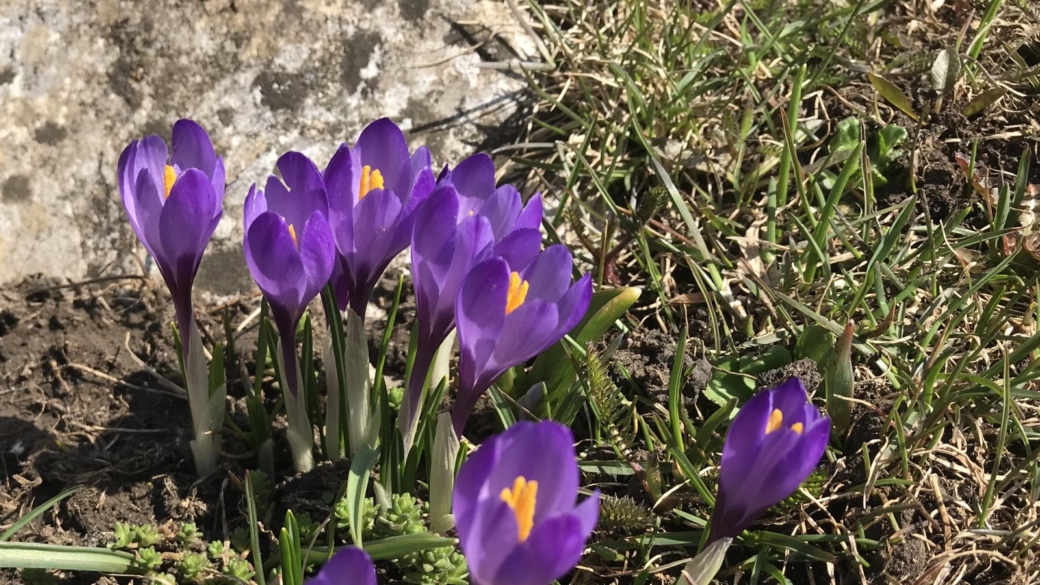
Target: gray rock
<point>79,80</point>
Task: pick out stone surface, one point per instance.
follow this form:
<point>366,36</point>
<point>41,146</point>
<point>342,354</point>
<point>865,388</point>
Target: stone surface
<point>79,80</point>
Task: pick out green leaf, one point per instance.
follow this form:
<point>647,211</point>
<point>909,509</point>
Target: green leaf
<point>31,555</point>
<point>21,522</point>
<point>396,547</point>
<point>945,71</point>
<point>289,546</point>
<point>740,384</point>
<point>847,135</point>
<point>889,137</point>
<point>254,534</point>
<point>357,486</point>
<point>979,103</point>
<point>814,343</point>
<point>893,95</point>
<point>838,383</point>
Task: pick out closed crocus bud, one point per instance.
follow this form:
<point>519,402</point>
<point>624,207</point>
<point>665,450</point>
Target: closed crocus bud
<point>516,508</point>
<point>771,447</point>
<point>349,566</point>
<point>374,190</point>
<point>505,316</point>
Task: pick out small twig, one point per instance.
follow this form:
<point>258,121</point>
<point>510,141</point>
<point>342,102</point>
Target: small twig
<point>115,380</point>
<point>159,377</point>
<point>87,427</point>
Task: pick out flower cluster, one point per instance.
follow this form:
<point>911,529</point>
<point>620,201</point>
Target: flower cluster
<point>477,264</point>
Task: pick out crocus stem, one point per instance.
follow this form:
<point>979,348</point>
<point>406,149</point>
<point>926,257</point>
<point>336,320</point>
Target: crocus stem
<point>427,371</point>
<point>702,568</point>
<point>358,385</point>
<point>333,430</point>
<point>207,408</point>
<point>300,433</point>
<point>442,474</point>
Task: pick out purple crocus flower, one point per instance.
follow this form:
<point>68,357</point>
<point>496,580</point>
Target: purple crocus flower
<point>772,445</point>
<point>289,246</point>
<point>506,315</point>
<point>350,565</point>
<point>374,190</point>
<point>174,205</point>
<point>465,221</point>
<point>516,509</point>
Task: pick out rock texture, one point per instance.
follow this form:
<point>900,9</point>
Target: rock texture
<point>78,80</point>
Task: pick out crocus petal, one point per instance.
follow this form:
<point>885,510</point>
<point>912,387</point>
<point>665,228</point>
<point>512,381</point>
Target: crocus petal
<point>187,221</point>
<point>474,179</point>
<point>417,181</point>
<point>502,208</point>
<point>192,148</point>
<point>549,276</point>
<point>350,565</point>
<point>275,262</point>
<point>147,201</point>
<point>142,163</point>
<point>789,473</point>
<point>519,248</point>
<point>218,183</point>
<point>531,217</point>
<point>526,332</point>
<point>588,513</point>
<point>299,173</point>
<point>317,253</point>
<point>469,483</point>
<point>553,548</point>
<point>255,204</point>
<point>574,304</point>
<point>382,147</point>
<point>374,219</point>
<point>341,184</point>
<point>753,415</point>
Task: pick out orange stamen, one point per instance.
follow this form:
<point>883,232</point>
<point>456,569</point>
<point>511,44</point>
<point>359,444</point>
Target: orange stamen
<point>522,499</point>
<point>169,177</point>
<point>370,179</point>
<point>517,292</point>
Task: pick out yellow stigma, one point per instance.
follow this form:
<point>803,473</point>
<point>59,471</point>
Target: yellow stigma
<point>522,500</point>
<point>775,420</point>
<point>797,427</point>
<point>292,232</point>
<point>169,176</point>
<point>517,292</point>
<point>370,179</point>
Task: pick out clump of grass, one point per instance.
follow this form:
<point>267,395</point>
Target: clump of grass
<point>697,152</point>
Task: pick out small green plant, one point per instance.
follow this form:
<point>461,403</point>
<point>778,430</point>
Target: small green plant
<point>149,558</point>
<point>188,533</point>
<point>437,566</point>
<point>124,536</point>
<point>405,516</point>
<point>191,566</point>
<point>240,539</point>
<point>238,568</point>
